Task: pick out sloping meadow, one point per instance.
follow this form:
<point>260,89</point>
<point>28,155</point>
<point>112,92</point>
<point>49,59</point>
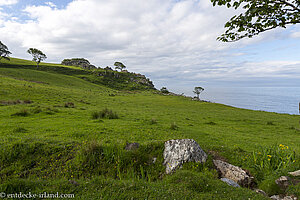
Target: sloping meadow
<point>55,143</point>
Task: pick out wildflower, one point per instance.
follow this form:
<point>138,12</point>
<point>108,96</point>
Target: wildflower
<point>269,156</point>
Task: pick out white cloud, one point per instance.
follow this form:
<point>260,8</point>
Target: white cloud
<point>51,4</point>
<point>8,2</point>
<point>168,40</point>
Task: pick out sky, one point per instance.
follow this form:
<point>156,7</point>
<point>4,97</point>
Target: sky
<point>173,42</point>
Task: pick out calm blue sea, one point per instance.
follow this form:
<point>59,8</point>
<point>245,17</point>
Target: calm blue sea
<point>272,99</point>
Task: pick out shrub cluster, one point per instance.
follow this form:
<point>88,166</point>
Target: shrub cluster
<point>69,105</point>
<point>105,114</point>
<point>22,113</point>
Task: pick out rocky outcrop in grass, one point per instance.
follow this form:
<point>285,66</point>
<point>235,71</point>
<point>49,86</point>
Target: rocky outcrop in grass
<point>234,173</point>
<point>79,62</point>
<point>178,152</point>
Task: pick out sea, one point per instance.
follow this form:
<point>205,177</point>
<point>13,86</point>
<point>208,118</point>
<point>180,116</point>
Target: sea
<point>271,99</point>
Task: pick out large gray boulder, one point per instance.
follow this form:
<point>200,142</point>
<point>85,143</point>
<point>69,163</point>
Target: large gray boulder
<point>234,173</point>
<point>180,151</point>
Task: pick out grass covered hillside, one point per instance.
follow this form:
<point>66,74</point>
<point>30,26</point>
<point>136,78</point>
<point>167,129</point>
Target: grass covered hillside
<point>63,129</point>
<point>123,80</point>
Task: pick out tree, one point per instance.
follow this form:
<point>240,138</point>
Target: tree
<point>197,91</point>
<point>258,16</point>
<point>38,55</point>
<point>119,66</point>
<point>4,53</point>
<point>164,90</point>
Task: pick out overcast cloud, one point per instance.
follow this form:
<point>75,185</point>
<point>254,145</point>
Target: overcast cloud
<point>172,42</point>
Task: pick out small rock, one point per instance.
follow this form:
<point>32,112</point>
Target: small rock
<point>234,173</point>
<point>259,191</point>
<point>278,197</point>
<point>283,182</point>
<point>230,182</point>
<point>73,182</point>
<point>178,152</point>
<point>295,173</point>
<point>132,146</point>
<point>154,160</point>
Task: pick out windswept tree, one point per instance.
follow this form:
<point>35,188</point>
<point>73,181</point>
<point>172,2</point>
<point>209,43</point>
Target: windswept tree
<point>197,91</point>
<point>4,52</point>
<point>164,90</point>
<point>258,16</point>
<point>119,66</point>
<point>37,55</point>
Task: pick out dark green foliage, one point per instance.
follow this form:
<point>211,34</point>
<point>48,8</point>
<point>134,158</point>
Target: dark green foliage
<point>4,52</point>
<point>164,90</point>
<point>270,123</point>
<point>198,90</point>
<point>22,113</point>
<point>269,186</point>
<point>23,159</point>
<point>211,123</point>
<point>37,55</point>
<point>258,16</point>
<point>20,130</point>
<point>115,162</point>
<point>19,185</point>
<point>174,126</point>
<point>119,66</point>
<point>104,114</point>
<point>69,105</point>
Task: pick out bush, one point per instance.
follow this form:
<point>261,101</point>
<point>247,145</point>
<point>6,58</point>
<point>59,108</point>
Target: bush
<point>153,121</point>
<point>69,105</point>
<point>174,126</point>
<point>22,113</point>
<point>104,114</point>
<point>164,90</point>
<point>20,130</point>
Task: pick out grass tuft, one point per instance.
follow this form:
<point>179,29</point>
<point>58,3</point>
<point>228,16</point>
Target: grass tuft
<point>153,121</point>
<point>69,105</point>
<point>105,114</point>
<point>20,130</point>
<point>22,113</point>
<point>174,126</point>
<point>211,123</point>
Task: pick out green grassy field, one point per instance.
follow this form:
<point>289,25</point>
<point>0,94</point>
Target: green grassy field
<point>50,142</point>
